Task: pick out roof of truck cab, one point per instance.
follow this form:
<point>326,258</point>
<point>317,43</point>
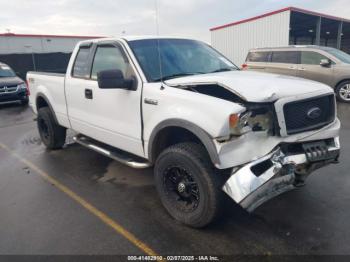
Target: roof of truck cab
<point>133,38</point>
<point>146,37</point>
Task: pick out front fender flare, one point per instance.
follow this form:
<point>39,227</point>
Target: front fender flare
<point>203,136</point>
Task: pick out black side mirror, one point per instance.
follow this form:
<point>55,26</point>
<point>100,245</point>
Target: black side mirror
<point>325,63</point>
<point>114,78</point>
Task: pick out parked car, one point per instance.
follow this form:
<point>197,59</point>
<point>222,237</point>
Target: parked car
<point>323,64</point>
<point>12,88</point>
<point>180,106</point>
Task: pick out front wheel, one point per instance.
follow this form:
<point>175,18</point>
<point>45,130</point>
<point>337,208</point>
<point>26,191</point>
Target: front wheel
<point>52,134</point>
<point>343,91</point>
<point>188,184</point>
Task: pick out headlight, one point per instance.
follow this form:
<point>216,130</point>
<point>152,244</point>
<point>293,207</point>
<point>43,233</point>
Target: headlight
<point>22,86</point>
<point>256,120</point>
<point>239,123</point>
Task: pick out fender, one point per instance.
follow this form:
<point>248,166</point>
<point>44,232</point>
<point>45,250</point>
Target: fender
<point>203,136</point>
<point>41,95</point>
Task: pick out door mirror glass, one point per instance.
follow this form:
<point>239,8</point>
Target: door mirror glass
<point>114,79</point>
<point>325,63</point>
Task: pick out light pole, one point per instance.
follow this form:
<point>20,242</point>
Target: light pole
<point>32,52</point>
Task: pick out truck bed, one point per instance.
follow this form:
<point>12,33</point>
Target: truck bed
<point>50,86</point>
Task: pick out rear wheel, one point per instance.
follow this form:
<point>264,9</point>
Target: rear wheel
<point>52,134</point>
<point>343,91</point>
<point>188,184</point>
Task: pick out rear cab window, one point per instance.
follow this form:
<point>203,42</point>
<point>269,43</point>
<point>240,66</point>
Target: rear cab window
<point>255,56</point>
<point>81,63</point>
<point>286,57</point>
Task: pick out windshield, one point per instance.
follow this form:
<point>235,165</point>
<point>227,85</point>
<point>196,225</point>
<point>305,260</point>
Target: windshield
<point>179,57</point>
<point>6,71</point>
<point>342,56</point>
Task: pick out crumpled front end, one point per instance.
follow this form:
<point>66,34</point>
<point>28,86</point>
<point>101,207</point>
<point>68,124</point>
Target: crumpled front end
<point>283,169</point>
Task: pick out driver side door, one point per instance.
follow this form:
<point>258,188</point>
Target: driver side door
<point>113,116</point>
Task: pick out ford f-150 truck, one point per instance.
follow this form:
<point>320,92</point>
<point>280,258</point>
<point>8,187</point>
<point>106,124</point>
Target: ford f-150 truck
<point>205,126</point>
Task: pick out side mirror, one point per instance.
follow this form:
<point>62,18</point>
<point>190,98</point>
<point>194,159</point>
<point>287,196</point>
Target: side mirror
<point>325,63</point>
<point>114,79</point>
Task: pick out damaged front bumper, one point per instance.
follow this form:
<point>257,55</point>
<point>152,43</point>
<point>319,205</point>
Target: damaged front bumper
<point>258,181</point>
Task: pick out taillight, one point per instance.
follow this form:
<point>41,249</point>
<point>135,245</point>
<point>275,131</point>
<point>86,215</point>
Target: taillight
<point>28,91</point>
<point>244,66</point>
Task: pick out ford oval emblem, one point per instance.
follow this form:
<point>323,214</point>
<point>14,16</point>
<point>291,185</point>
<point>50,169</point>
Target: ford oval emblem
<point>314,113</point>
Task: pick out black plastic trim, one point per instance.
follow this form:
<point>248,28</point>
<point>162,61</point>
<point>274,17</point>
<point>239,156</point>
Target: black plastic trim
<point>203,136</point>
<point>41,95</point>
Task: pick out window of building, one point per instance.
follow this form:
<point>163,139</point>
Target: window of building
<point>329,32</point>
<point>302,29</point>
<point>345,38</point>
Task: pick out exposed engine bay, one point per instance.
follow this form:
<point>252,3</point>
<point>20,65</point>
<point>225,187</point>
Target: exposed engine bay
<point>258,117</point>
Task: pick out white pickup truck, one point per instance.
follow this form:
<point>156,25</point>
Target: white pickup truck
<point>182,107</point>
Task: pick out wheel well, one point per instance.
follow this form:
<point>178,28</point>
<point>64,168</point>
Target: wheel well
<point>169,136</point>
<point>41,102</point>
<point>341,82</point>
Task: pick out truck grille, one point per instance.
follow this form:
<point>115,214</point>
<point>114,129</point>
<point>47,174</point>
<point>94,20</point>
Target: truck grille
<point>8,89</point>
<point>309,114</point>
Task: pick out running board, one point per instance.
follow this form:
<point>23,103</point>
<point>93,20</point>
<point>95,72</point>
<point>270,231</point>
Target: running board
<point>116,154</point>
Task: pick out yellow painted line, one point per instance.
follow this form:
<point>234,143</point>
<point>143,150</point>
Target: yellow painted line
<point>93,210</point>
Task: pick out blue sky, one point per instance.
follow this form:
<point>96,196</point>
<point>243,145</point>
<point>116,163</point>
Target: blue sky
<point>190,18</point>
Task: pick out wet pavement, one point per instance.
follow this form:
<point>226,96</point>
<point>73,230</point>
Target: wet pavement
<point>37,218</point>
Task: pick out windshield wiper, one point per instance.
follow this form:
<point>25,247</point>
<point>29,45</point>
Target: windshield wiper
<point>222,70</point>
<point>176,75</point>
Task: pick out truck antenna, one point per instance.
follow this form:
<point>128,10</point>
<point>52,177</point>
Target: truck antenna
<point>158,43</point>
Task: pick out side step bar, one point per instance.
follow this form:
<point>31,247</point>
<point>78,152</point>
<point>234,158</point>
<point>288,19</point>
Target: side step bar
<point>118,155</point>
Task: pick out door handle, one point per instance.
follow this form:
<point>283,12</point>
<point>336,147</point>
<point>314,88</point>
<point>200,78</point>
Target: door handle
<point>88,94</point>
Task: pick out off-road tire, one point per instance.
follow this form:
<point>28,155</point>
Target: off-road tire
<point>193,158</point>
<point>52,135</point>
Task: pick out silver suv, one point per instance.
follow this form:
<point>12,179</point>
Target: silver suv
<point>323,64</point>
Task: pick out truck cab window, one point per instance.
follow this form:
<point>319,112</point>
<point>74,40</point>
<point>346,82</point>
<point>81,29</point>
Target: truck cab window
<point>109,57</point>
<point>81,66</point>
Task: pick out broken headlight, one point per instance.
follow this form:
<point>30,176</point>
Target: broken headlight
<point>239,123</point>
<point>254,120</point>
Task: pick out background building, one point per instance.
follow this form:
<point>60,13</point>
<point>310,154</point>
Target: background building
<point>48,53</point>
<point>288,26</point>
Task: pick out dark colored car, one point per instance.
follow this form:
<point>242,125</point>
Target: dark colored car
<point>12,88</point>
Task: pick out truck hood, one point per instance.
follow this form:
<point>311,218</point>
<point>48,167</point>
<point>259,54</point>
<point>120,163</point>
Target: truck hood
<point>254,86</point>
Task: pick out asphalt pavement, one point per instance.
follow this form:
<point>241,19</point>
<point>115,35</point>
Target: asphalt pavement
<point>75,201</point>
